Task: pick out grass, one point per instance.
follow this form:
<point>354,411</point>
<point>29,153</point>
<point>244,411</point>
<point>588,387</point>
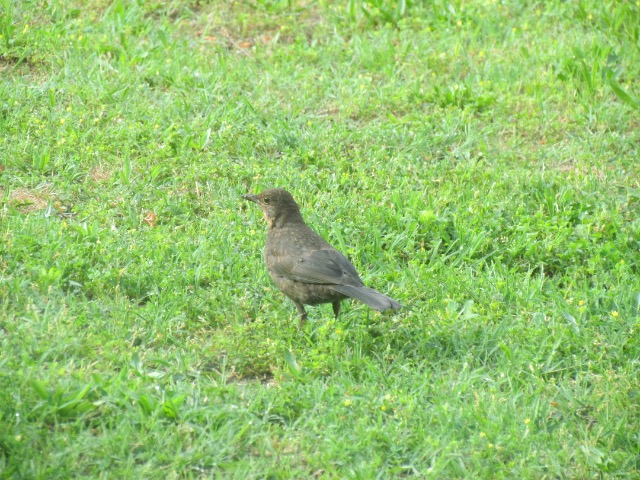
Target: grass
<point>476,160</point>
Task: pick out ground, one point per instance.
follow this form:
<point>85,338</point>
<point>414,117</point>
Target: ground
<point>476,160</point>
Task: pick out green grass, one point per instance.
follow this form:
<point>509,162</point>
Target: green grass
<point>477,161</point>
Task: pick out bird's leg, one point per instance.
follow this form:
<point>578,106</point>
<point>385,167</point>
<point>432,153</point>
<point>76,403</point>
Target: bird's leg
<point>302,312</point>
<point>336,308</point>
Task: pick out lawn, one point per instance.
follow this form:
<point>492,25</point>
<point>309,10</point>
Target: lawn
<point>476,160</point>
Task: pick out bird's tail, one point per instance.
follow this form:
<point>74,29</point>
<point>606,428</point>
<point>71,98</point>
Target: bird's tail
<point>371,297</point>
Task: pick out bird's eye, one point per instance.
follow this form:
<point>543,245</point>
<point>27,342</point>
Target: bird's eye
<point>266,199</point>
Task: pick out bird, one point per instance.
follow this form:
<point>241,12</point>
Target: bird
<point>304,266</point>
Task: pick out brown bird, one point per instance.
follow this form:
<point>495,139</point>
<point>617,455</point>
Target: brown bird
<point>303,265</point>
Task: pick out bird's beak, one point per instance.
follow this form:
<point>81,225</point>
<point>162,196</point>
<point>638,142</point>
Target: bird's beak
<point>251,197</point>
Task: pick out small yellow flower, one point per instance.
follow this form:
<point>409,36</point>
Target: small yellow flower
<point>581,302</point>
<point>62,120</point>
<point>527,421</point>
<point>383,408</point>
<point>614,314</point>
<point>347,402</point>
<point>490,445</point>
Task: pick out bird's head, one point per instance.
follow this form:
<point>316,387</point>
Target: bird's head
<point>278,206</point>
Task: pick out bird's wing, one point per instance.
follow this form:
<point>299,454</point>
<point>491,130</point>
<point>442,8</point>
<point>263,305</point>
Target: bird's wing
<point>328,267</point>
